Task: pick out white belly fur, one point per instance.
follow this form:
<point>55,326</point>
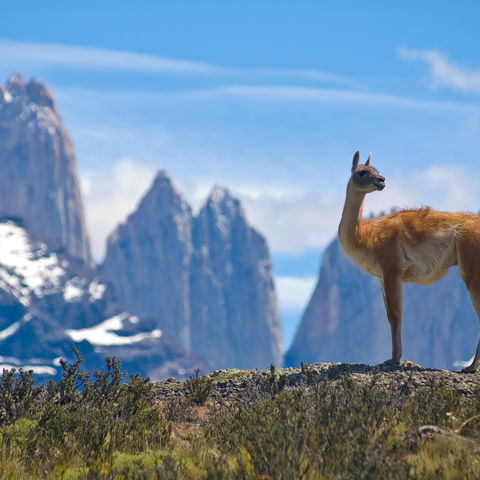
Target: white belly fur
<point>423,264</point>
<point>428,262</point>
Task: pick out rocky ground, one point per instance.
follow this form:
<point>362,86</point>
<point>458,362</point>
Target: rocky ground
<point>247,385</point>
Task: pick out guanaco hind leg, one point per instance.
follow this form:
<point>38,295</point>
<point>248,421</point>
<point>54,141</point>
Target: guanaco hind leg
<point>468,248</point>
<point>392,296</point>
<point>475,298</point>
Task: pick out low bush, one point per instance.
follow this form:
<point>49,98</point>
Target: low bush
<point>198,388</point>
<point>100,425</point>
<point>82,420</point>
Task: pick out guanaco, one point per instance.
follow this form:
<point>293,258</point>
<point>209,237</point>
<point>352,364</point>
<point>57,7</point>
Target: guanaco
<point>415,246</point>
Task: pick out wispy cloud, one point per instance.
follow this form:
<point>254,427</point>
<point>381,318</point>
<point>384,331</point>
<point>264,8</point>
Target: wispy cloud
<point>300,74</point>
<point>249,83</point>
<point>444,72</point>
<point>453,187</point>
<point>337,96</point>
<point>54,55</point>
<point>291,94</point>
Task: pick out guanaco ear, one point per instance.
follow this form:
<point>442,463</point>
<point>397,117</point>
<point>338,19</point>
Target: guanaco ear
<point>369,159</point>
<point>356,159</point>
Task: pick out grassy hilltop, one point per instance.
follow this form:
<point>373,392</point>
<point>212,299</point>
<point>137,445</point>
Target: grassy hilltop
<point>324,421</point>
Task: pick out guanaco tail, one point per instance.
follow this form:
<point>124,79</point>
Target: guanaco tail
<point>417,246</point>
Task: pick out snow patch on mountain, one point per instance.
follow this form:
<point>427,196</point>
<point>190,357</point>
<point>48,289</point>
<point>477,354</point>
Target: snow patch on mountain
<point>96,290</point>
<point>8,363</point>
<point>73,290</point>
<point>27,268</point>
<point>104,333</point>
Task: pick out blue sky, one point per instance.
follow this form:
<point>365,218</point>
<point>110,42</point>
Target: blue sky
<point>268,98</point>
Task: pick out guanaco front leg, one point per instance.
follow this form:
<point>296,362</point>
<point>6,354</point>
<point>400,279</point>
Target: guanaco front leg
<point>476,362</point>
<point>392,296</point>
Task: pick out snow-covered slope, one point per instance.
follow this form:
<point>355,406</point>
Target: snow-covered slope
<point>50,301</point>
<point>28,270</point>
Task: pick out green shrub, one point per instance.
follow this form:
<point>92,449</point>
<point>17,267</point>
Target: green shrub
<point>178,409</point>
<point>198,388</point>
<point>83,420</point>
<point>275,383</point>
<point>154,465</point>
<point>17,395</point>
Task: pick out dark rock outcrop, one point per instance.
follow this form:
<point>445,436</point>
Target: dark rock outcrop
<point>345,320</point>
<point>38,181</point>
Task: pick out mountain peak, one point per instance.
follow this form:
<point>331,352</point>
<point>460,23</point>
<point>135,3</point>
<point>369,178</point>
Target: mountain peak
<point>221,199</point>
<point>40,94</point>
<point>15,80</point>
<point>162,180</point>
<point>161,195</point>
<point>31,92</point>
<point>205,279</point>
<point>14,88</point>
<point>219,194</point>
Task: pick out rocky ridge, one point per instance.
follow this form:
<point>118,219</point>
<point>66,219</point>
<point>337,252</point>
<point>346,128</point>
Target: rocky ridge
<point>245,386</point>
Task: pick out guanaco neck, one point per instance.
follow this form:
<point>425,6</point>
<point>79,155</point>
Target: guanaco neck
<point>348,230</point>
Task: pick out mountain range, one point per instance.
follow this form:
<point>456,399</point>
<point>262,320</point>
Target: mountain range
<point>175,291</point>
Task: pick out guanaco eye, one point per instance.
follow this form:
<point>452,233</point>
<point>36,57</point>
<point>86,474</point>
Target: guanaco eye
<point>361,173</point>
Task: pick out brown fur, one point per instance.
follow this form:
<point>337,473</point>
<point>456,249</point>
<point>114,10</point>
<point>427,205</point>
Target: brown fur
<point>417,246</point>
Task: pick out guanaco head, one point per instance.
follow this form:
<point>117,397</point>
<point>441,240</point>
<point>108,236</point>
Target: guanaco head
<point>365,178</point>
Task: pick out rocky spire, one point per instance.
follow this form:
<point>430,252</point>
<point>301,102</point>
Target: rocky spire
<point>38,180</point>
<point>148,259</point>
<point>235,320</point>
